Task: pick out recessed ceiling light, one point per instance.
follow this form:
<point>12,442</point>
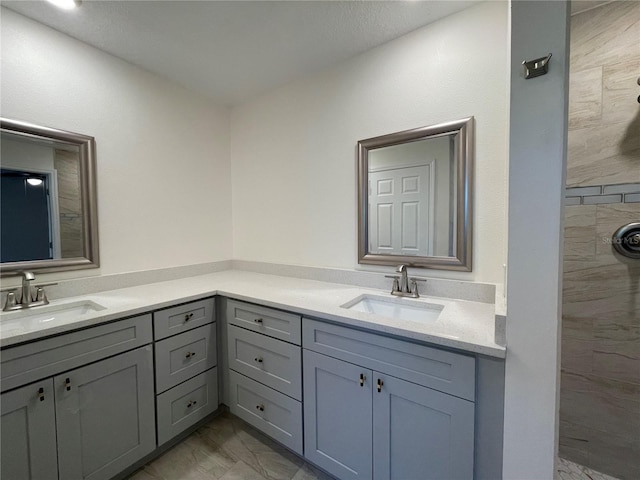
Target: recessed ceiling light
<point>66,4</point>
<point>34,181</point>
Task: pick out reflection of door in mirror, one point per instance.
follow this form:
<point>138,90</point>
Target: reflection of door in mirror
<point>410,198</point>
<point>26,224</point>
<point>400,209</point>
<point>40,219</point>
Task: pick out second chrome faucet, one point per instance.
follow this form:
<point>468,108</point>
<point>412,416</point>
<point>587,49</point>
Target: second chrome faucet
<point>404,286</point>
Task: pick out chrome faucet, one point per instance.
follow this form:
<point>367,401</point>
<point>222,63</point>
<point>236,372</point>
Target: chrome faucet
<point>404,286</point>
<point>27,299</point>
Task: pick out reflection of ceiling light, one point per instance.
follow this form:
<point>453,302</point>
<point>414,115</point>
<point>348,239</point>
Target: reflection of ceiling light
<point>34,181</point>
<point>65,4</point>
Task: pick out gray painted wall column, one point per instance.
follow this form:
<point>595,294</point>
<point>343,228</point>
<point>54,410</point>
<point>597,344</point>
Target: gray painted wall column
<point>538,136</point>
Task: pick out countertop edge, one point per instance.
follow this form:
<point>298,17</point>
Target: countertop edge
<point>494,350</point>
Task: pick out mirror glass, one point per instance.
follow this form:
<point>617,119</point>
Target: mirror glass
<point>48,218</point>
<point>415,197</point>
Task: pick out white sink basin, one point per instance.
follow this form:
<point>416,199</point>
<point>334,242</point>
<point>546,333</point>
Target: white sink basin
<point>398,308</point>
<point>60,312</point>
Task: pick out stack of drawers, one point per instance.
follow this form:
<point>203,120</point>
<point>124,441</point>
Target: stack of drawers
<point>265,374</point>
<point>186,373</point>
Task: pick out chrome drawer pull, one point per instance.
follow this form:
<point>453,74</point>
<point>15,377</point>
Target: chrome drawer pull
<point>41,394</point>
<point>258,359</point>
<point>188,317</point>
<point>257,320</point>
<point>191,403</point>
<point>362,379</point>
<point>260,407</point>
<point>380,383</point>
<point>190,354</point>
<point>67,384</point>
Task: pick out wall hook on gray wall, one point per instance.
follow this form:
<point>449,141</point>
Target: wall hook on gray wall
<point>537,67</point>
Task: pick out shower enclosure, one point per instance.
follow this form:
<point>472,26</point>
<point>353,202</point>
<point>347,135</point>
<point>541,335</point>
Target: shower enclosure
<point>600,369</point>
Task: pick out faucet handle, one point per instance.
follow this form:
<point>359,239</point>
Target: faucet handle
<point>11,301</point>
<point>392,276</point>
<point>418,279</point>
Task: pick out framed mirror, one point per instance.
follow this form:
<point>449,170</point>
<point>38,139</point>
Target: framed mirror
<point>49,217</point>
<point>415,197</point>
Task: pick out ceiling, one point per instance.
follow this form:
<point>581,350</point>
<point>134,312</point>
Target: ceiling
<point>231,51</point>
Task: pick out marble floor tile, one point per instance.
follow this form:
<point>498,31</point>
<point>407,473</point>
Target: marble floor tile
<point>567,470</point>
<point>242,471</point>
<point>228,449</point>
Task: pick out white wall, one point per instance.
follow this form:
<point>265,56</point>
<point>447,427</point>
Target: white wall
<point>293,150</point>
<point>162,152</point>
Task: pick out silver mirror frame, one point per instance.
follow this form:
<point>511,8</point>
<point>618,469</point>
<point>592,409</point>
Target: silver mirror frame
<point>464,159</point>
<point>87,155</point>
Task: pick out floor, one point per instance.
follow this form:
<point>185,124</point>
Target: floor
<point>228,449</point>
<point>567,470</point>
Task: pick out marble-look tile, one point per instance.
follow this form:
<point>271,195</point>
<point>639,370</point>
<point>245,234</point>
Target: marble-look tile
<point>577,354</point>
<point>243,443</point>
<point>181,462</point>
<point>228,449</point>
<point>603,154</point>
<point>308,472</point>
<point>242,471</point>
<point>585,98</point>
<point>567,470</point>
<point>576,323</point>
<point>605,35</point>
<point>611,410</point>
<point>615,455</point>
<point>580,232</point>
<point>573,442</point>
<point>608,219</point>
<point>620,90</point>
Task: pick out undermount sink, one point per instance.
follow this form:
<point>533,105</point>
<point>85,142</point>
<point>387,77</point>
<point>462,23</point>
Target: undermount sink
<point>398,308</point>
<point>53,311</point>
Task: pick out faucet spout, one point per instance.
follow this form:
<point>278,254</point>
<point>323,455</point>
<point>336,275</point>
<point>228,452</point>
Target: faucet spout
<point>27,278</point>
<point>404,281</point>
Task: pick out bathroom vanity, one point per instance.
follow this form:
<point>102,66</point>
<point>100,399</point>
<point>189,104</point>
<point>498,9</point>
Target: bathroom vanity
<point>98,396</point>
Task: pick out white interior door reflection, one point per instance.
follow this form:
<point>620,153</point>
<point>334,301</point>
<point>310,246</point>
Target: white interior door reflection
<point>401,210</point>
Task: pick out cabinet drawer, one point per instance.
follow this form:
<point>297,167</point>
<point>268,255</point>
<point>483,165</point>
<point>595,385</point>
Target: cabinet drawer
<point>30,362</point>
<point>282,325</point>
<point>181,357</point>
<point>441,370</point>
<point>185,317</point>
<point>275,414</point>
<point>272,362</point>
<point>186,404</point>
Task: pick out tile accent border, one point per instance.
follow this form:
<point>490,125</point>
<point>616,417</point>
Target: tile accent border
<point>603,194</point>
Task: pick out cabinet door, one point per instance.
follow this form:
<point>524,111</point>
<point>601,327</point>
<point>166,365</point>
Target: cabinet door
<point>105,415</point>
<point>28,431</point>
<point>419,433</point>
<point>337,416</point>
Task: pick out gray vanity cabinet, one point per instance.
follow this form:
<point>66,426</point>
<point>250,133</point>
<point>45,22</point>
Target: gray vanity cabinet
<point>419,432</point>
<point>377,392</point>
<point>28,431</point>
<point>105,415</point>
<point>337,416</point>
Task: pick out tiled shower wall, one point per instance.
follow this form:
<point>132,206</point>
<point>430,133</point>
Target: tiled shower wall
<point>600,383</point>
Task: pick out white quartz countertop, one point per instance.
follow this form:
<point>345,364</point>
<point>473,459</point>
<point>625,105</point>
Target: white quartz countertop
<point>463,325</point>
